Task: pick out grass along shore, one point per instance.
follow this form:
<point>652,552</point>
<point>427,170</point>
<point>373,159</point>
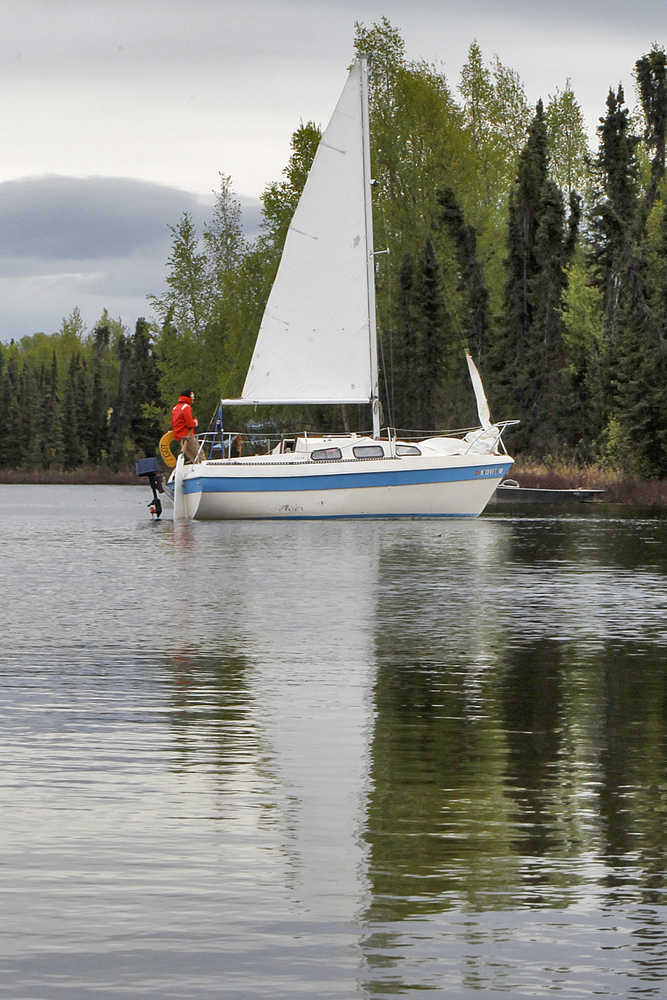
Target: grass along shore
<point>95,475</point>
<point>618,487</point>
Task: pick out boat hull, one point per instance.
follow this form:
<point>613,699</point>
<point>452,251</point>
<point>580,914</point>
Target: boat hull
<point>221,491</point>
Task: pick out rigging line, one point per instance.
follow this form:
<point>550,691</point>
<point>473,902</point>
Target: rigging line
<point>390,416</point>
<point>387,373</point>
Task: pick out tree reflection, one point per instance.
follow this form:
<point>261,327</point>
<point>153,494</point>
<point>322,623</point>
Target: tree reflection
<point>510,768</point>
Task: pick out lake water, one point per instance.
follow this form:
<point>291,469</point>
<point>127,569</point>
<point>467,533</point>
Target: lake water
<point>336,760</point>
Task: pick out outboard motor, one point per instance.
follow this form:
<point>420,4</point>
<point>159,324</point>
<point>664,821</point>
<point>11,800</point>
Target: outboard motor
<point>149,468</point>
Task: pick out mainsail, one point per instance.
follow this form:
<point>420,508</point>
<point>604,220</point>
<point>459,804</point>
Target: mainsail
<point>313,341</point>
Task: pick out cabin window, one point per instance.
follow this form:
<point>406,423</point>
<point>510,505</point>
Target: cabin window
<point>368,451</point>
<point>326,455</point>
<point>407,449</point>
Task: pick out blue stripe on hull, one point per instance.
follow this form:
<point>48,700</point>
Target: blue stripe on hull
<point>340,480</point>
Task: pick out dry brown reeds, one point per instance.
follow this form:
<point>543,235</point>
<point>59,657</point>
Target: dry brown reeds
<point>618,487</point>
<point>85,476</point>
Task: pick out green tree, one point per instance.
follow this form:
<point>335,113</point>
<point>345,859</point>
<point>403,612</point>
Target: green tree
<point>433,339</point>
<point>629,370</point>
<point>651,74</point>
<point>143,390</point>
<point>524,216</point>
<point>98,429</point>
<point>476,321</point>
<point>71,334</point>
<point>53,447</point>
<point>421,343</point>
<point>188,296</point>
<point>529,356</point>
<point>401,337</point>
<point>497,117</point>
<point>120,444</point>
<point>567,142</point>
<point>613,219</point>
<point>280,199</point>
<point>24,399</point>
<point>73,447</point>
<point>223,238</point>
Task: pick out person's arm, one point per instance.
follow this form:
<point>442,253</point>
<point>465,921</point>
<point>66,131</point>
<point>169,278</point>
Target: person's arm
<point>190,421</point>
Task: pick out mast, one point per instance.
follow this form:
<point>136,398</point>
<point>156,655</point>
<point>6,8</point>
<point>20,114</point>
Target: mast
<point>370,256</point>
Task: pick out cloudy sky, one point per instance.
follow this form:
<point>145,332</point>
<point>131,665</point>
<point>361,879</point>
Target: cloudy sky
<point>117,115</point>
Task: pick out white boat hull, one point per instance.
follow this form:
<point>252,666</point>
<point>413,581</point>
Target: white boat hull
<point>240,490</point>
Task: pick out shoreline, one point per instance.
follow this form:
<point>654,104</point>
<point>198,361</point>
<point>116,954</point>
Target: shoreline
<point>90,476</point>
<point>618,488</point>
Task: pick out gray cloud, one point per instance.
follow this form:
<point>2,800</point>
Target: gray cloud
<point>92,217</point>
<point>95,243</point>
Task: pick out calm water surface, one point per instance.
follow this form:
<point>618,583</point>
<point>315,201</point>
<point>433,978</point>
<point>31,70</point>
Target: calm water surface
<point>337,760</point>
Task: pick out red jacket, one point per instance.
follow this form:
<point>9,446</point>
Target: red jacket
<point>182,419</point>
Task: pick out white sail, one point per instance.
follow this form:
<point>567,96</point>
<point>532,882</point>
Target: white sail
<point>313,342</point>
<point>480,395</point>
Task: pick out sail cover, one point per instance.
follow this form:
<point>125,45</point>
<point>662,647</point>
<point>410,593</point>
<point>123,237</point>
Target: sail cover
<point>313,342</point>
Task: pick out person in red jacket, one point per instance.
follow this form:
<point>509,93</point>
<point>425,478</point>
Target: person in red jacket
<point>184,423</point>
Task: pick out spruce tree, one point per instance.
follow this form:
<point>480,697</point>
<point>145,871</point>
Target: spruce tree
<point>420,340</point>
<point>432,327</point>
<point>524,217</point>
<point>402,360</point>
<point>651,73</point>
<point>628,374</point>
<point>10,444</point>
<point>614,217</point>
<point>99,403</point>
<point>476,319</point>
<point>30,414</point>
<point>83,396</point>
<point>528,357</point>
<point>639,379</point>
<point>73,452</point>
<point>121,411</point>
<point>143,390</point>
<point>52,447</point>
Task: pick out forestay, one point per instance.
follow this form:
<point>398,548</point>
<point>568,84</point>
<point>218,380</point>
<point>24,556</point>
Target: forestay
<point>313,342</point>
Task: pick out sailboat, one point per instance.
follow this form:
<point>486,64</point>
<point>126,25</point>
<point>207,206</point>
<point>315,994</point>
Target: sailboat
<point>317,344</point>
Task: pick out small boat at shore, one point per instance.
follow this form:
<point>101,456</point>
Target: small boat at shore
<point>509,491</point>
<point>317,345</point>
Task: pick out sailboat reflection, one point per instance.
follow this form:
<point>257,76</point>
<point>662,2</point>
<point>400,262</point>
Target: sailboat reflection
<point>277,700</point>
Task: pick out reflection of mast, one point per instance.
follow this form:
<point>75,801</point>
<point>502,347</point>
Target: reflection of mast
<point>211,708</point>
